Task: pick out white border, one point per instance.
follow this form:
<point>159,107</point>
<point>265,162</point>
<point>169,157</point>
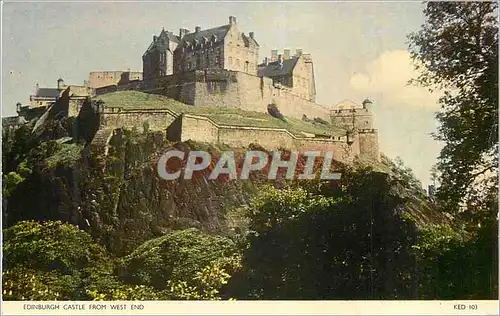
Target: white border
<point>250,308</point>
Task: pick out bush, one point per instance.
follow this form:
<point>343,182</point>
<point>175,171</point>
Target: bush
<point>58,255</point>
<point>273,110</point>
<point>175,257</point>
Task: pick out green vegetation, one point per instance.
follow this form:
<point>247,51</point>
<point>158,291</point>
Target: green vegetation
<point>370,235</point>
<point>157,261</point>
<point>220,115</point>
<point>65,154</point>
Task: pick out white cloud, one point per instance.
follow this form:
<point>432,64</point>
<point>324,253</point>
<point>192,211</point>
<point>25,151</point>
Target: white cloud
<point>388,76</point>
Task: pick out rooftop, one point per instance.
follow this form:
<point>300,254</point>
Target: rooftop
<point>46,93</point>
<point>276,69</point>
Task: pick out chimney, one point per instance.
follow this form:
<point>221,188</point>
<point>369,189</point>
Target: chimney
<point>232,20</point>
<point>280,59</point>
<point>183,32</point>
<point>274,55</point>
<point>252,34</point>
<point>197,29</point>
<point>298,52</point>
<point>286,54</point>
<point>266,61</point>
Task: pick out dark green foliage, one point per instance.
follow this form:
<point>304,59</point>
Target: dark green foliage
<point>455,266</point>
<point>28,284</point>
<point>176,256</point>
<point>456,50</point>
<point>273,110</point>
<point>54,253</point>
<point>349,241</point>
<point>39,246</point>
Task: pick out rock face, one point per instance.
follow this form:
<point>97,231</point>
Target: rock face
<point>117,196</point>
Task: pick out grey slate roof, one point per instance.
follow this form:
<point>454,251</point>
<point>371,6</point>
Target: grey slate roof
<point>47,93</point>
<point>248,40</point>
<point>274,69</point>
<point>164,35</point>
<point>219,32</point>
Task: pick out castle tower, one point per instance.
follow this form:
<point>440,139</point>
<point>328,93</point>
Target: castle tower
<point>367,104</point>
<point>358,123</point>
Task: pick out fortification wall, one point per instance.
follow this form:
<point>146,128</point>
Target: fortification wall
<point>368,144</point>
<point>98,79</point>
<point>155,120</point>
<point>199,129</point>
<point>352,118</point>
<point>252,93</point>
<point>203,129</point>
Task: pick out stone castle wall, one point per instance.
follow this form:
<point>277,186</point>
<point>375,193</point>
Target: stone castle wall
<point>150,119</point>
<point>252,93</point>
<point>98,79</point>
<point>358,118</point>
<point>199,128</point>
<point>222,88</point>
<point>368,144</point>
<point>204,129</point>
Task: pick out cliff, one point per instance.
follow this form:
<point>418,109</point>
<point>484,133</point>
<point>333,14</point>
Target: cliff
<point>117,196</point>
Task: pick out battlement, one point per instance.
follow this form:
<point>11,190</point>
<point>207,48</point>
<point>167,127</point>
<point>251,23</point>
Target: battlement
<point>350,111</point>
<point>368,131</point>
<point>276,55</point>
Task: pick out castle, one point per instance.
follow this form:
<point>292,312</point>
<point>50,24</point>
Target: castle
<point>218,67</point>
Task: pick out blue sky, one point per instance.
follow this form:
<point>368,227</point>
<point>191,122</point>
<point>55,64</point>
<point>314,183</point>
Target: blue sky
<point>359,50</point>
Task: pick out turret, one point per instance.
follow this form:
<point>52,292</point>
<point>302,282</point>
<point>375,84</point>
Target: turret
<point>367,104</point>
<point>60,84</point>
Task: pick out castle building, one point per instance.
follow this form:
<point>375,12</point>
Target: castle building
<point>293,72</point>
<point>222,47</point>
<point>98,79</point>
<point>348,115</point>
<point>158,60</point>
<point>43,97</point>
<point>219,67</point>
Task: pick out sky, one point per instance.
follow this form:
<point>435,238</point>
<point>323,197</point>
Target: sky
<point>359,50</point>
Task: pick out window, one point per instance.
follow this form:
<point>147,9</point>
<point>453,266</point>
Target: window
<point>246,66</point>
<point>217,61</point>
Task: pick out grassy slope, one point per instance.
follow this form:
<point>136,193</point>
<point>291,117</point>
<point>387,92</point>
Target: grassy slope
<point>226,116</point>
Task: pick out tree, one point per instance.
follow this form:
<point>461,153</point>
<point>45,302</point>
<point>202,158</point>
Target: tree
<point>348,241</point>
<point>52,254</point>
<point>174,257</point>
<point>456,51</point>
